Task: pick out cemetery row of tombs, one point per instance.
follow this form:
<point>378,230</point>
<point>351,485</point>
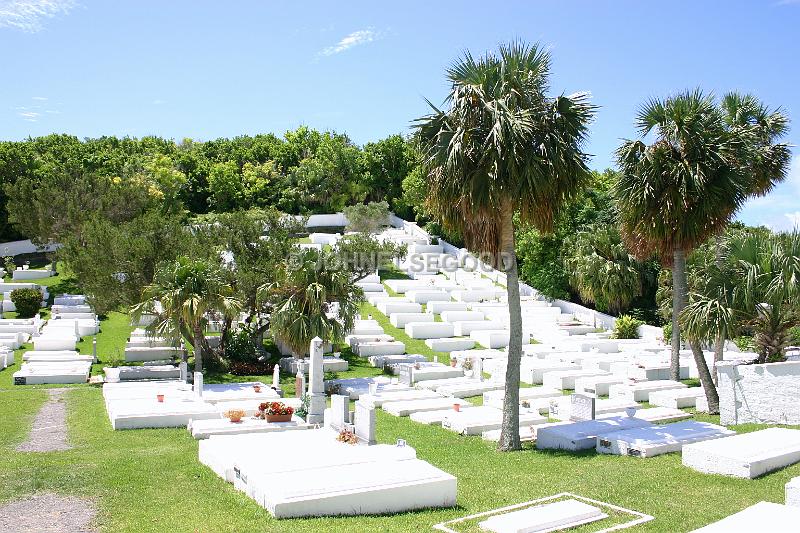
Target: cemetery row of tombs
<point>579,390</point>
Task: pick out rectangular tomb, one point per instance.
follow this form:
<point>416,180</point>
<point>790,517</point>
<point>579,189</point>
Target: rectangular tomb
<point>582,435</point>
<point>650,441</point>
<point>405,408</point>
<point>554,516</point>
<point>746,456</point>
<point>677,398</point>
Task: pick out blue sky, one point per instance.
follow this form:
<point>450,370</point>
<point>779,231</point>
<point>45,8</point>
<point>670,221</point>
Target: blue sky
<point>205,69</point>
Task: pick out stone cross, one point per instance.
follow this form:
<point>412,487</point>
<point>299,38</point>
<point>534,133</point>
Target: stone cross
<point>198,384</point>
<point>316,383</point>
<point>365,423</point>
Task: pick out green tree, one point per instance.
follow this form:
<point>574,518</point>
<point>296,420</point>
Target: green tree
<point>367,218</point>
<point>314,297</point>
<point>184,295</point>
<point>502,147</point>
<point>684,187</point>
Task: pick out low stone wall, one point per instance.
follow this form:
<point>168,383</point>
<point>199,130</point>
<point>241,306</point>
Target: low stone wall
<point>767,393</point>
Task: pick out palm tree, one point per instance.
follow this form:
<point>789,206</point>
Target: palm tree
<point>183,295</point>
<point>601,269</point>
<point>756,288</point>
<point>315,296</point>
<point>501,149</point>
<point>683,188</point>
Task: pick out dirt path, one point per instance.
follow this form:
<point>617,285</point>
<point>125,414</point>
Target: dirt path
<point>47,513</point>
<point>49,431</point>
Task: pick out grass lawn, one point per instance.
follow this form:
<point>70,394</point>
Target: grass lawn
<point>151,480</point>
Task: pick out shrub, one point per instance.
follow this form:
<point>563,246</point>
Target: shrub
<point>8,261</point>
<point>667,332</point>
<point>241,348</point>
<point>744,343</point>
<point>27,302</point>
<point>626,326</point>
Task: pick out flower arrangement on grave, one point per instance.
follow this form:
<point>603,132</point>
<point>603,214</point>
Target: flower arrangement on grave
<point>235,415</point>
<point>347,436</point>
<point>275,412</point>
<point>467,364</point>
<point>453,361</point>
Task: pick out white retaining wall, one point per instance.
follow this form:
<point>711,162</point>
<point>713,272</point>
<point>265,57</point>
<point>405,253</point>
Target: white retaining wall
<point>768,393</point>
<point>15,248</point>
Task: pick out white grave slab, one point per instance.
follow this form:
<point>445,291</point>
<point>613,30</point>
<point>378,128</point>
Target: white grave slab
<point>203,429</point>
<point>429,330</point>
<point>417,406</point>
<point>440,307</point>
<point>478,419</point>
<point>380,398</point>
<point>459,316</point>
<point>367,349</point>
<point>650,441</point>
<point>388,308</point>
<point>677,398</point>
<point>597,385</point>
<point>577,436</point>
<point>640,392</point>
<point>763,516</point>
<point>554,516</point>
<point>748,455</point>
<point>450,344</point>
<point>565,379</point>
<point>399,320</point>
<point>434,418</point>
<point>495,398</point>
<point>470,388</point>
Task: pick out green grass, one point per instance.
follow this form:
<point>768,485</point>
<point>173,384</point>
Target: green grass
<point>151,480</point>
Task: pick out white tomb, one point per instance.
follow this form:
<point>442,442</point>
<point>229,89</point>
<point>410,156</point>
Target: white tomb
<point>597,385</point>
<point>367,349</point>
<point>640,392</point>
<point>577,436</point>
<point>565,379</point>
<point>460,316</point>
<point>495,398</point>
<point>476,420</point>
<point>466,327</point>
<point>387,308</point>
<point>434,418</point>
<point>450,344</point>
<point>429,330</point>
<point>440,307</point>
<point>554,516</point>
<point>399,320</point>
<point>380,398</point>
<point>405,408</point>
<point>677,398</point>
<point>650,441</point>
<point>763,516</point>
<point>206,428</point>
<point>748,455</point>
<point>532,372</point>
<point>467,389</point>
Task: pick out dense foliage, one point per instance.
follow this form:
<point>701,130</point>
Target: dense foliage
<point>27,302</point>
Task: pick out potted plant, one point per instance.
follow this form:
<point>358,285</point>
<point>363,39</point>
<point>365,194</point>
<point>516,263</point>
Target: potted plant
<point>275,412</point>
<point>453,362</point>
<point>234,415</point>
<point>160,398</point>
<point>257,388</point>
<point>457,407</point>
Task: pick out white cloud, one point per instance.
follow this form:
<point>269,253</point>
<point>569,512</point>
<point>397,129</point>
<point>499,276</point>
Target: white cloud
<point>30,116</point>
<point>159,102</point>
<point>29,15</point>
<point>794,219</point>
<point>39,98</point>
<point>355,38</point>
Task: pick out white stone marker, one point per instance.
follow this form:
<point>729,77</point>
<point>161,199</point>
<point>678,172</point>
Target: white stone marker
<point>340,411</point>
<point>793,492</point>
<point>548,517</point>
<point>198,384</point>
<point>316,384</point>
<point>659,439</point>
<point>276,377</point>
<point>763,516</point>
<point>183,367</point>
<point>365,422</point>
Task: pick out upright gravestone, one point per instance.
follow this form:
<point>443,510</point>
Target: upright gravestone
<point>582,407</point>
<point>198,384</point>
<point>276,377</point>
<point>365,423</point>
<point>405,374</point>
<point>94,349</point>
<point>300,379</point>
<point>316,384</point>
<point>340,411</point>
<point>477,368</point>
<point>183,368</point>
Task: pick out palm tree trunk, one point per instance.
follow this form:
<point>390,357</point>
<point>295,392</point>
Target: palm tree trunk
<point>509,434</point>
<point>679,298</point>
<point>719,342</point>
<point>705,378</point>
<point>198,350</point>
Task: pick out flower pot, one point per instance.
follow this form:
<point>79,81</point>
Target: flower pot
<point>279,418</point>
<point>160,398</point>
<point>453,363</point>
<point>630,411</point>
<point>257,388</point>
<point>457,407</point>
<point>235,419</point>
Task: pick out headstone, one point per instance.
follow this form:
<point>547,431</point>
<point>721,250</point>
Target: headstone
<point>276,377</point>
<point>94,349</point>
<point>316,384</point>
<point>340,411</point>
<point>184,370</point>
<point>300,381</point>
<point>404,375</point>
<point>198,384</point>
<point>365,423</point>
<point>477,367</point>
<point>582,407</point>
